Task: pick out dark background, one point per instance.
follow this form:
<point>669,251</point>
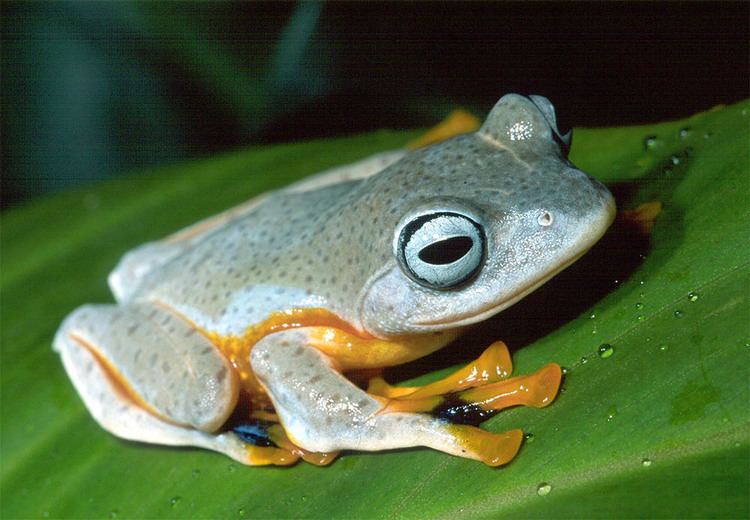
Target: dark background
<point>93,89</point>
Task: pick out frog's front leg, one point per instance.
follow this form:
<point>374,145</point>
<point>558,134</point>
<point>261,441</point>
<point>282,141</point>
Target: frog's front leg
<point>322,411</point>
<point>493,365</point>
<point>147,375</point>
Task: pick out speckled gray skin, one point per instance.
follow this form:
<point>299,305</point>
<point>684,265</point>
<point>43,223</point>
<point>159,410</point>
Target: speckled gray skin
<point>333,243</point>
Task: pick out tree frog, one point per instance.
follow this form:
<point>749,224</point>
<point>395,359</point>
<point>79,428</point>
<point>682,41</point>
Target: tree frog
<point>254,333</point>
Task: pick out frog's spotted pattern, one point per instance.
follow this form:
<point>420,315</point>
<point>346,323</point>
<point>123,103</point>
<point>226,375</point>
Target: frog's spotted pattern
<point>258,314</point>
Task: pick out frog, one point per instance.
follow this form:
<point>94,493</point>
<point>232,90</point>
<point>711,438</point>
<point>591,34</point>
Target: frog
<point>263,332</point>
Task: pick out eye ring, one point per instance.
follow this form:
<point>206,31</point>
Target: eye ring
<point>441,249</point>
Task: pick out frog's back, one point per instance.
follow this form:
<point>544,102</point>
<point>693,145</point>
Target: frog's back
<point>265,255</point>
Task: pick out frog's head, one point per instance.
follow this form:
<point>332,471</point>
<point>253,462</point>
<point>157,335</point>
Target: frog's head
<point>490,217</point>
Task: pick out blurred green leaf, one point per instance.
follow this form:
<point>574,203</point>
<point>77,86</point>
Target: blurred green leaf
<point>660,428</point>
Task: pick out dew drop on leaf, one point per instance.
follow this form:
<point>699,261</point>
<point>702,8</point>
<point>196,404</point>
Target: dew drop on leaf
<point>651,142</point>
<point>606,350</point>
<point>693,296</point>
<point>646,463</point>
<point>685,132</point>
<point>678,313</point>
<point>174,501</point>
<point>543,489</point>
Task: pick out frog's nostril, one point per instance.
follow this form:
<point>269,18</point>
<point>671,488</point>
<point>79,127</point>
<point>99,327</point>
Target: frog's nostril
<point>545,219</point>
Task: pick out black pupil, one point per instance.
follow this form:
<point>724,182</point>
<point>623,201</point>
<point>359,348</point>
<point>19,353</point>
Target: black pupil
<point>446,251</point>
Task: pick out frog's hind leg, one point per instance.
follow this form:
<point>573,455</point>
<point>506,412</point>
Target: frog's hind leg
<point>477,404</point>
<point>476,391</point>
<point>322,411</point>
<point>145,375</point>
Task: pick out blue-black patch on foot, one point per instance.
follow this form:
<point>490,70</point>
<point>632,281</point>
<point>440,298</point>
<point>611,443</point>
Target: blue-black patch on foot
<point>255,433</point>
<point>458,411</point>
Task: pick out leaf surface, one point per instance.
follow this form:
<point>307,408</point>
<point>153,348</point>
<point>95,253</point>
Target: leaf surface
<point>659,428</point>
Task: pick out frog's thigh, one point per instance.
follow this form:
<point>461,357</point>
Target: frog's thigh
<point>116,413</point>
<point>322,411</point>
<point>158,362</point>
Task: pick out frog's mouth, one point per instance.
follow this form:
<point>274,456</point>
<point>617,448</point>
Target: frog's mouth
<point>498,307</point>
<point>577,249</point>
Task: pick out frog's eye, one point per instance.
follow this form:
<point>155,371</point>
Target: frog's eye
<point>441,250</point>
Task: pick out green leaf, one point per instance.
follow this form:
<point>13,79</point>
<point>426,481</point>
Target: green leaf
<point>659,428</point>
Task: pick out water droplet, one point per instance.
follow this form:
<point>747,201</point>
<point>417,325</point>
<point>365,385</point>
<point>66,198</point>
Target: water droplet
<point>241,511</point>
<point>232,468</point>
<point>611,413</point>
<point>543,489</point>
<point>606,350</point>
<point>642,282</point>
<point>114,513</point>
<point>708,135</point>
<point>529,437</point>
<point>638,305</point>
<point>593,316</point>
<point>693,296</point>
<point>678,313</point>
<point>646,463</point>
<point>641,295</point>
<point>640,317</point>
<point>651,142</point>
<point>685,132</point>
<point>196,473</point>
<point>663,347</point>
<point>675,160</point>
<point>174,501</point>
<point>564,370</point>
<point>584,360</point>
